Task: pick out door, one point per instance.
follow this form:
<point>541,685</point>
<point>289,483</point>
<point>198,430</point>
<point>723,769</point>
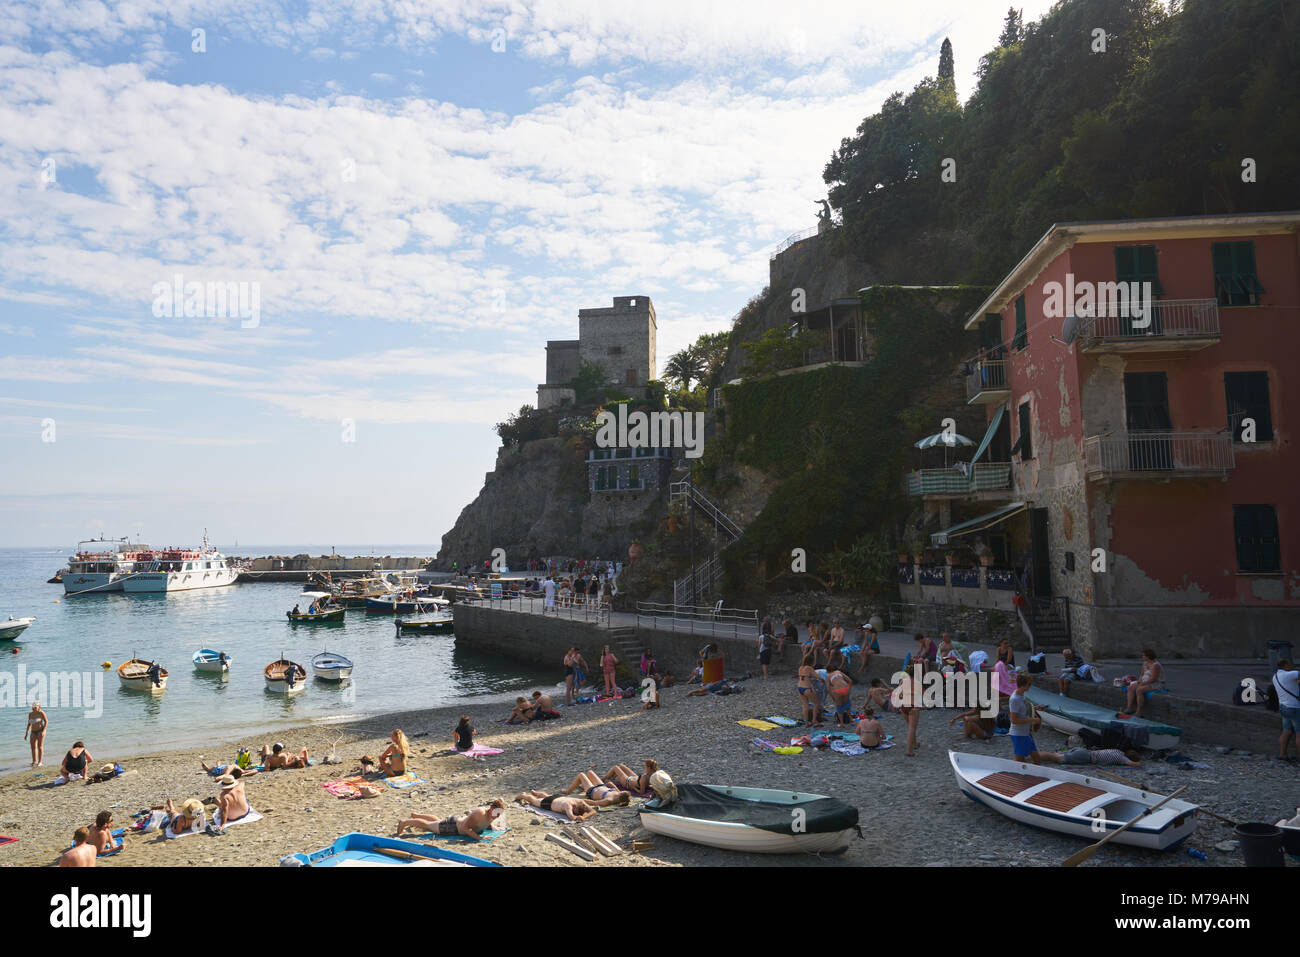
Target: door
<point>1040,557</point>
<point>1146,408</point>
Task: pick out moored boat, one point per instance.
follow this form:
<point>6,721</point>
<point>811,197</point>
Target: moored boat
<point>331,666</point>
<point>11,629</point>
<point>405,603</point>
<point>209,660</point>
<point>1080,805</point>
<point>751,820</point>
<point>439,621</point>
<point>371,850</point>
<point>322,610</point>
<point>96,569</point>
<point>353,592</point>
<point>285,677</point>
<point>1068,715</point>
<point>140,674</point>
<point>180,569</point>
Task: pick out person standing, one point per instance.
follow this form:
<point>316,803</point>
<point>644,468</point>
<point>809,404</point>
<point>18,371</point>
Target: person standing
<point>570,673</point>
<point>1023,724</point>
<point>37,722</point>
<point>608,662</point>
<point>548,589</point>
<point>765,641</point>
<point>791,636</point>
<point>1287,682</point>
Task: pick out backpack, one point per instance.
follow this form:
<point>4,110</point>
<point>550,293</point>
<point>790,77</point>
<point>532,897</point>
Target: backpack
<point>1271,700</point>
<point>243,759</point>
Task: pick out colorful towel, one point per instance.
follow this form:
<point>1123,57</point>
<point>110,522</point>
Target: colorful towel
<point>485,837</point>
<point>758,725</point>
<point>765,745</point>
<point>198,827</point>
<point>855,747</point>
<point>346,788</point>
<point>8,840</point>
<point>779,720</point>
<point>248,818</point>
<point>478,751</point>
<point>406,780</point>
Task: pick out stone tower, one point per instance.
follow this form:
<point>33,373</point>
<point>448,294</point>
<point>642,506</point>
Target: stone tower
<point>620,339</point>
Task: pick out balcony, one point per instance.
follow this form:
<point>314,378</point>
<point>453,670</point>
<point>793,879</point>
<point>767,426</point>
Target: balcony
<point>984,477</point>
<point>987,383</point>
<point>1158,455</point>
<point>1175,325</point>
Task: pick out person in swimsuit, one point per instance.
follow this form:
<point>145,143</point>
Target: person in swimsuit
<point>100,836</point>
<point>870,732</point>
<point>1005,654</point>
<point>840,686</point>
<point>233,801</point>
<point>471,824</point>
<point>608,662</point>
<point>807,702</point>
<point>598,792</point>
<point>879,695</point>
<point>907,698</point>
<point>543,707</point>
<point>393,759</point>
<point>81,853</point>
<point>869,645</point>
<point>462,736</point>
<point>974,725</point>
<point>37,722</point>
<point>276,757</point>
<point>74,763</point>
<point>570,663</point>
<point>523,712</point>
<point>1152,676</point>
<point>575,809</point>
<point>624,777</point>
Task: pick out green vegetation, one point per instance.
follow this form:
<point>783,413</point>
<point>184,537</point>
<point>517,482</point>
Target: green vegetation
<point>777,349</point>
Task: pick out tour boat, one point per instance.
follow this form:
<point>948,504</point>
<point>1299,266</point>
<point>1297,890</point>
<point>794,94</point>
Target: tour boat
<point>11,629</point>
<point>371,850</point>
<point>216,662</point>
<point>96,569</point>
<point>1081,805</point>
<point>330,666</point>
<point>278,673</point>
<point>135,676</point>
<point>1068,715</point>
<point>752,820</point>
<point>181,569</point>
<point>439,621</point>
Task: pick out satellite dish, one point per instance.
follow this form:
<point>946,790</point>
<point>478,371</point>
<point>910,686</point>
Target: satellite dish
<point>1070,329</point>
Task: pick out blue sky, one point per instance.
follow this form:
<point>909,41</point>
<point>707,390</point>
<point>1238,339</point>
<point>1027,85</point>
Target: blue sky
<point>422,193</point>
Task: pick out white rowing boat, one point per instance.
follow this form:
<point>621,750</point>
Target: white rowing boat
<point>285,677</point>
<point>213,662</point>
<point>135,676</point>
<point>330,666</point>
<point>1080,805</point>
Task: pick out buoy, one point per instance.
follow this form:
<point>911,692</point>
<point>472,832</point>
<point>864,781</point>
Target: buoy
<point>13,651</point>
<point>106,665</point>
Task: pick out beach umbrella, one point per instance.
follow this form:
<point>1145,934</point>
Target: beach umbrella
<point>944,440</point>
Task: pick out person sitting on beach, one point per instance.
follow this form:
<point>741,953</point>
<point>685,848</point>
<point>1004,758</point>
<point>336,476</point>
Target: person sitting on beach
<point>870,732</point>
<point>462,736</point>
<point>649,693</point>
<point>523,713</point>
<point>276,757</point>
<point>81,853</point>
<point>575,809</point>
<point>598,792</point>
<point>975,726</point>
<point>392,760</point>
<point>37,723</point>
<point>189,818</point>
<point>724,687</point>
<point>868,645</point>
<point>879,696</point>
<point>543,707</point>
<point>927,652</point>
<point>100,835</point>
<point>233,801</point>
<point>471,824</point>
<point>649,666</point>
<point>1074,667</point>
<point>624,777</point>
<point>1102,756</point>
<point>840,686</point>
<point>1005,654</point>
<point>74,764</point>
<point>1152,677</point>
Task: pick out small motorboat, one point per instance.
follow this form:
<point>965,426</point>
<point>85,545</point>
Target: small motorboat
<point>406,604</point>
<point>751,820</point>
<point>140,674</point>
<point>322,610</point>
<point>285,677</point>
<point>1068,715</point>
<point>330,666</point>
<point>371,850</point>
<point>11,629</point>
<point>215,662</point>
<point>439,621</point>
<point>1081,805</point>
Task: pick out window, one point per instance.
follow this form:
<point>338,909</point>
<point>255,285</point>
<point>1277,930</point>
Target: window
<point>1234,274</point>
<point>1021,341</point>
<point>1024,445</point>
<point>633,476</point>
<point>1138,264</point>
<point>1247,395</point>
<point>631,377</point>
<point>1258,549</point>
<point>615,350</point>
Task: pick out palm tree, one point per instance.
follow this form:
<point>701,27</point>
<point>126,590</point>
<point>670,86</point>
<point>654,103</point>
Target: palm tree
<point>685,366</point>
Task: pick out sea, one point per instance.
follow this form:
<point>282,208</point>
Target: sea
<point>82,634</point>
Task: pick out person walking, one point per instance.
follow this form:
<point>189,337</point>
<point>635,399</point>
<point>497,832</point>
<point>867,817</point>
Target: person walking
<point>1286,681</point>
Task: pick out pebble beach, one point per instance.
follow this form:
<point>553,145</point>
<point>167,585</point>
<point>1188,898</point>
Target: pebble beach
<point>911,812</point>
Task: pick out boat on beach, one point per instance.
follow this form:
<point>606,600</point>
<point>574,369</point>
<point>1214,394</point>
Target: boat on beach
<point>1068,715</point>
<point>285,677</point>
<point>1080,805</point>
<point>214,662</point>
<point>371,850</point>
<point>439,621</point>
<point>140,674</point>
<point>752,820</point>
<point>11,629</point>
<point>331,666</point>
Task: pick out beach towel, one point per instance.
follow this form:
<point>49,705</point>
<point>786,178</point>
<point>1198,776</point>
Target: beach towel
<point>115,834</point>
<point>788,749</point>
<point>855,746</point>
<point>485,837</point>
<point>758,725</point>
<point>8,840</point>
<point>549,815</point>
<point>248,818</point>
<point>346,788</point>
<point>764,745</point>
<point>779,720</point>
<point>478,751</point>
<point>406,780</point>
<point>198,827</point>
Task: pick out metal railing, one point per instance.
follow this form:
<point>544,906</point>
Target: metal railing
<point>587,609</point>
<point>984,477</point>
<point>1168,318</point>
<point>684,489</point>
<point>706,577</point>
<point>988,375</point>
<point>699,619</point>
<point>1159,452</point>
<point>792,239</point>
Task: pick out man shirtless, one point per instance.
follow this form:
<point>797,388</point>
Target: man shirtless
<point>870,732</point>
<point>276,757</point>
<point>471,824</point>
<point>232,801</point>
<point>81,853</point>
<point>100,835</point>
<point>575,809</point>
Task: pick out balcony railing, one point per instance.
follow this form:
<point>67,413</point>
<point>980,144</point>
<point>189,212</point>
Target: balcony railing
<point>1169,321</point>
<point>792,239</point>
<point>1159,453</point>
<point>984,477</point>
<point>987,380</point>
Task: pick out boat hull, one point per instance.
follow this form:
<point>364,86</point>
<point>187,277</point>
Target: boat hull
<point>280,686</point>
<point>1068,716</point>
<point>366,850</point>
<point>11,629</point>
<point>152,582</point>
<point>208,662</point>
<point>81,583</point>
<point>743,838</point>
<point>432,624</point>
<point>333,617</point>
<point>135,679</point>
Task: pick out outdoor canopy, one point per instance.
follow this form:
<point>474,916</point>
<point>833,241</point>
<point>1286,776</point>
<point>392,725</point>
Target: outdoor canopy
<point>988,436</point>
<point>977,524</point>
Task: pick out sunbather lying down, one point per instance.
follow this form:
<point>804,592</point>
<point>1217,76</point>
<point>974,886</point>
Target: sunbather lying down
<point>627,779</point>
<point>598,792</point>
<point>716,687</point>
<point>276,756</point>
<point>575,809</point>
<point>470,824</point>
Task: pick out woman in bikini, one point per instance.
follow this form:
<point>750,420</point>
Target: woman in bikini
<point>841,689</point>
<point>1005,654</point>
<point>37,722</point>
<point>909,705</point>
<point>804,687</point>
<point>625,778</point>
<point>598,792</point>
<point>393,761</point>
<point>607,663</point>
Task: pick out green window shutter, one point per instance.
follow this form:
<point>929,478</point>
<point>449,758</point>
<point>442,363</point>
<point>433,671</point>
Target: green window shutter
<point>1235,282</point>
<point>1022,329</point>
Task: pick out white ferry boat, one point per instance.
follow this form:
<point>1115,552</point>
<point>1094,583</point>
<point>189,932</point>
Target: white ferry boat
<point>181,569</point>
<point>99,565</point>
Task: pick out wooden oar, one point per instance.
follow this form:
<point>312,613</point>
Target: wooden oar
<point>1202,809</point>
<point>402,855</point>
<point>1074,860</point>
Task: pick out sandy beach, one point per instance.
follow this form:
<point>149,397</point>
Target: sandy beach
<point>911,810</point>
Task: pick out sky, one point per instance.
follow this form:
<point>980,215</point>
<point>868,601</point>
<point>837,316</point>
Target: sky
<point>399,201</point>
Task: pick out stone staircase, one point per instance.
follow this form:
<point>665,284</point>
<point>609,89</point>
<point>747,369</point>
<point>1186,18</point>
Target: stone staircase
<point>627,648</point>
<point>1042,619</point>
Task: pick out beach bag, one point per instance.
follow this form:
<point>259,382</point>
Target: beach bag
<point>1037,665</point>
<point>1004,720</point>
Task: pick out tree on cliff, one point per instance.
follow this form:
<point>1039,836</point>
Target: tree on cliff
<point>945,62</point>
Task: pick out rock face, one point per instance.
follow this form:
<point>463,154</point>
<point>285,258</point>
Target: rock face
<point>536,503</point>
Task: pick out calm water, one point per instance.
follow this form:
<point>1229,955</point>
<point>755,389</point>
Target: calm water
<point>393,673</point>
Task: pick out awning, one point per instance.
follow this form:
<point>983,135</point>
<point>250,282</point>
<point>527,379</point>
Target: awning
<point>988,436</point>
<point>977,524</point>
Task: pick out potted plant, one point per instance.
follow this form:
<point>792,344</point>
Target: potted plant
<point>984,554</point>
